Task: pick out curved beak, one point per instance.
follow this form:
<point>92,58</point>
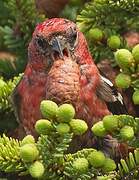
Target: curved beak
<point>57,47</point>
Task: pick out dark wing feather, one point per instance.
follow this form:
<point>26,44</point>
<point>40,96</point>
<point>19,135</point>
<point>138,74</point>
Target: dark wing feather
<point>16,102</point>
<point>108,93</point>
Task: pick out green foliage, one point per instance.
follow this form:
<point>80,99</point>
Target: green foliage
<point>129,167</point>
<point>52,163</point>
<point>6,108</point>
<point>69,170</point>
<point>52,149</point>
<point>4,13</point>
<point>49,158</point>
<point>72,9</point>
<point>126,129</point>
<point>17,22</point>
<point>113,17</point>
<point>129,76</point>
<point>10,160</point>
<point>17,31</point>
<point>3,16</point>
<point>6,90</point>
<point>8,68</point>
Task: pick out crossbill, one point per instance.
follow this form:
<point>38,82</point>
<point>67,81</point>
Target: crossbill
<point>60,68</point>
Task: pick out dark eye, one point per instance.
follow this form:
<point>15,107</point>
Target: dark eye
<point>74,34</point>
<point>42,44</point>
<point>72,37</point>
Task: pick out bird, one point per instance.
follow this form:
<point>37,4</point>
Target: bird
<point>60,68</point>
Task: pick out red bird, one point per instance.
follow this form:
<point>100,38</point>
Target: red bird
<point>60,68</point>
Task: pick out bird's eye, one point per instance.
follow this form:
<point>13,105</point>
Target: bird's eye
<point>42,44</point>
<point>72,37</point>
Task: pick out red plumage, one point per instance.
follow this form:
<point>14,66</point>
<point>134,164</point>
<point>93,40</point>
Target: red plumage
<point>74,78</point>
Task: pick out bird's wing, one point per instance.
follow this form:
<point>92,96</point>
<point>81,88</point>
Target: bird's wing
<point>16,101</point>
<point>108,93</point>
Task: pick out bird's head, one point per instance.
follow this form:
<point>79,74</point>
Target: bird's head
<point>55,39</point>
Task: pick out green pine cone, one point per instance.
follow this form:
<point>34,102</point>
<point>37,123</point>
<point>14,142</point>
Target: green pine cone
<point>95,34</point>
<point>63,128</point>
<point>98,129</point>
<point>65,113</point>
<point>124,58</point>
<point>135,53</point>
<point>36,170</point>
<point>114,42</point>
<point>43,126</point>
<point>80,165</point>
<point>110,122</point>
<point>48,109</point>
<point>127,133</point>
<point>29,139</point>
<point>135,97</point>
<point>96,159</point>
<point>109,165</point>
<point>123,80</point>
<point>78,126</point>
<point>29,152</point>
